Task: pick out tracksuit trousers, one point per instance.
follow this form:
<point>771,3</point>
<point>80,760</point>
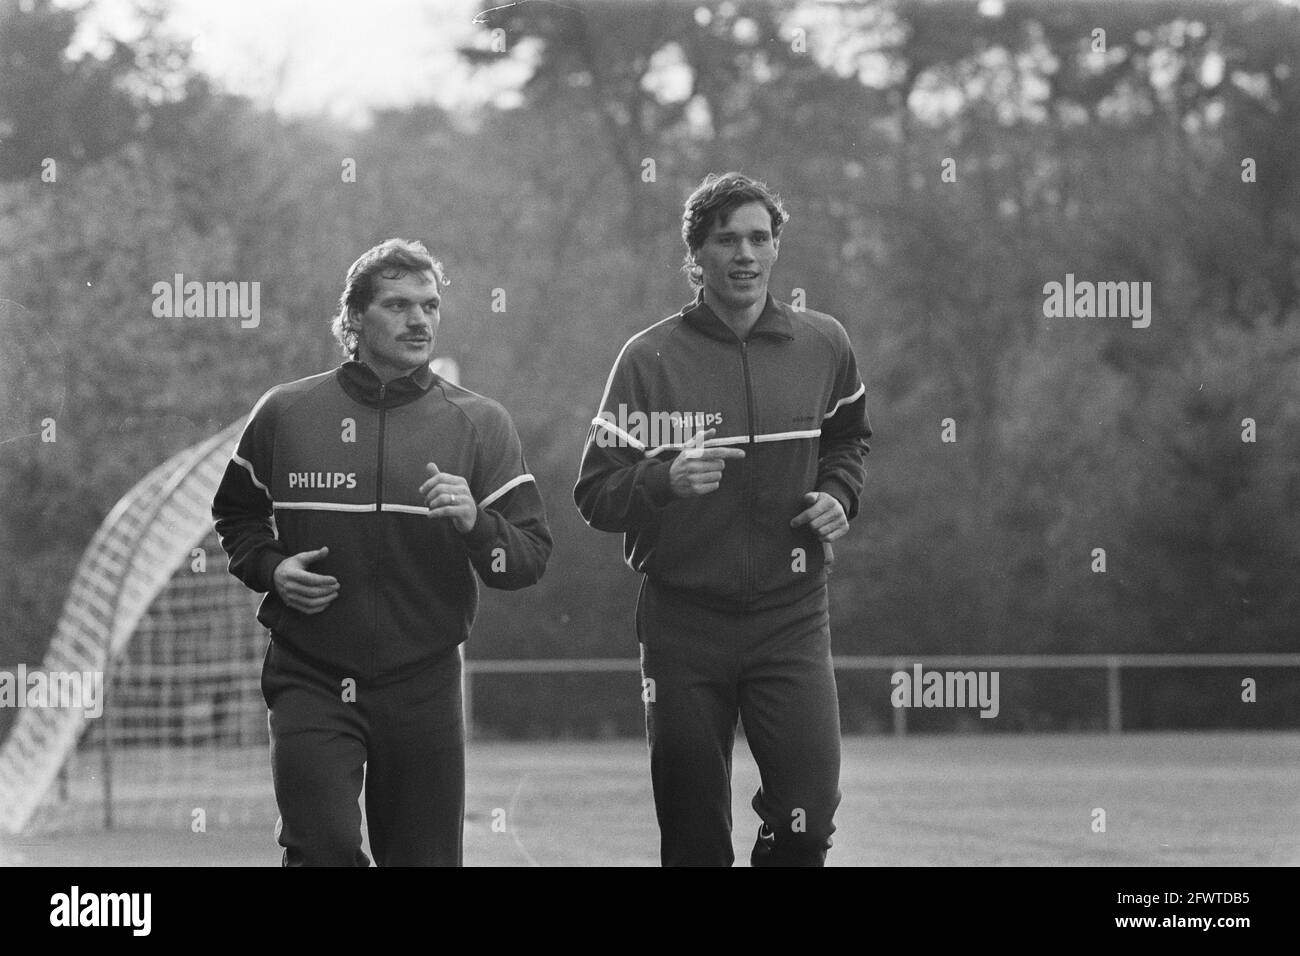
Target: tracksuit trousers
<point>404,739</point>
<point>702,669</point>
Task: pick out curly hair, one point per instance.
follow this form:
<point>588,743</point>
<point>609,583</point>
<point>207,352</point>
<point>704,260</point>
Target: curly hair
<point>714,200</point>
<point>391,259</point>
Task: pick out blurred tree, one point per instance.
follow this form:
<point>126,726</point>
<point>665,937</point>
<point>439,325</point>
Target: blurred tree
<point>74,111</point>
<point>1123,164</point>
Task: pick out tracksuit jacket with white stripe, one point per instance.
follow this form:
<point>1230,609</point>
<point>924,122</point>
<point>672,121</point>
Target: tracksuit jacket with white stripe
<point>790,395</point>
<point>337,460</point>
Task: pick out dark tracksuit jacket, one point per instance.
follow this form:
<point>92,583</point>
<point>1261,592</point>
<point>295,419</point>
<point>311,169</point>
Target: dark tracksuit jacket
<point>337,460</point>
<point>790,396</point>
<point>733,615</point>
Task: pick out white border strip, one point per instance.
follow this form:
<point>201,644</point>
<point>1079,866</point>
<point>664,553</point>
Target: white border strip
<point>862,390</point>
<point>322,506</point>
<point>740,440</point>
<point>609,381</point>
<point>618,433</point>
<point>512,483</point>
<point>400,509</point>
<point>248,467</point>
<point>789,436</point>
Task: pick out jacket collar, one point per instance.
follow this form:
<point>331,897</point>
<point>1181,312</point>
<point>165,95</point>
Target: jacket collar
<point>773,321</point>
<point>361,383</point>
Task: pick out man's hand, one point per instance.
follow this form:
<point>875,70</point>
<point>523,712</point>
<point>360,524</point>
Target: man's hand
<point>698,470</point>
<point>448,496</point>
<point>824,514</point>
<point>301,589</point>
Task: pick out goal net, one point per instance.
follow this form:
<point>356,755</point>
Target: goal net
<point>153,613</point>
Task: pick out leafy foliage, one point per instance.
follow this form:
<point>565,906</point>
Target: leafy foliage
<point>1073,434</point>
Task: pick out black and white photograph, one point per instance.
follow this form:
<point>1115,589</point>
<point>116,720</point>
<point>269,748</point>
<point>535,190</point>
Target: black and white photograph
<point>608,434</point>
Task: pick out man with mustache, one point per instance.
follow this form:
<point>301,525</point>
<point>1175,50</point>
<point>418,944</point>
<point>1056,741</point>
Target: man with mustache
<point>728,518</point>
<point>364,501</point>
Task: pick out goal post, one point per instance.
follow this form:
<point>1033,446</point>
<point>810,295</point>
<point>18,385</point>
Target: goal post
<point>127,584</point>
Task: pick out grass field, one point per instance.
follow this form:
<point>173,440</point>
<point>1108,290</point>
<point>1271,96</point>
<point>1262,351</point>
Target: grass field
<point>1206,799</point>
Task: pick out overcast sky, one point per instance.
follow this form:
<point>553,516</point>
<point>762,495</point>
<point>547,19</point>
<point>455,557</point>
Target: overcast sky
<point>337,56</point>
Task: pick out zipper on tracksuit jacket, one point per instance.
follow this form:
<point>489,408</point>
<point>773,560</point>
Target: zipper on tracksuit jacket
<point>379,470</point>
<point>749,474</point>
<point>379,507</point>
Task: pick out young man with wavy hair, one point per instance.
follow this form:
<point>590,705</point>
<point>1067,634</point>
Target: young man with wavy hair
<point>727,449</point>
<point>364,502</point>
